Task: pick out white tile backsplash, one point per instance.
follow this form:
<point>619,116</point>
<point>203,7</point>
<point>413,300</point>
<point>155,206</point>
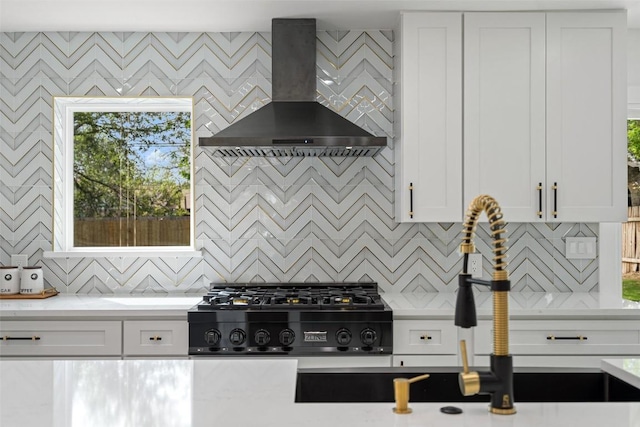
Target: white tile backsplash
<point>305,220</point>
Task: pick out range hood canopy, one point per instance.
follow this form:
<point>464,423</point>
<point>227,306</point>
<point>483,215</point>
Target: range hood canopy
<point>294,124</point>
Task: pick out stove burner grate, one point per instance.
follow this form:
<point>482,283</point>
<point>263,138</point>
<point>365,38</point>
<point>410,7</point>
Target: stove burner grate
<point>293,296</point>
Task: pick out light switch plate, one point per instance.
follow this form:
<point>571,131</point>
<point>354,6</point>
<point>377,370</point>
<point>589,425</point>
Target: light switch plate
<point>580,247</point>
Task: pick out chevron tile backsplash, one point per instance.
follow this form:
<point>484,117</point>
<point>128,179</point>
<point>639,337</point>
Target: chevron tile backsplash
<point>257,219</point>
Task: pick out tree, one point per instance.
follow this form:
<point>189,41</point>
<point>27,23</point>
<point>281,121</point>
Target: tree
<point>633,139</point>
<point>130,162</point>
<point>633,154</point>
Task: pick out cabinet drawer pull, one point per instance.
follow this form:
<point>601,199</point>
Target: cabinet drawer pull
<point>155,338</point>
<point>8,338</point>
<point>539,188</point>
<point>411,200</point>
<point>576,338</point>
<point>555,200</point>
<point>425,337</point>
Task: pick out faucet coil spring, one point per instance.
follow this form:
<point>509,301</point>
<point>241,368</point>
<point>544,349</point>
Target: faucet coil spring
<point>489,205</point>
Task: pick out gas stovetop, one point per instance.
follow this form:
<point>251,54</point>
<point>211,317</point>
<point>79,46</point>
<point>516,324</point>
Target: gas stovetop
<point>291,318</point>
<point>292,296</point>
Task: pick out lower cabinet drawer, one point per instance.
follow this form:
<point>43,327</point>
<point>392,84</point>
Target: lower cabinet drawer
<point>424,337</point>
<point>155,338</point>
<point>60,338</point>
<point>564,337</point>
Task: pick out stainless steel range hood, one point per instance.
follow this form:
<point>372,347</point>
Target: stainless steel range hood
<point>294,124</point>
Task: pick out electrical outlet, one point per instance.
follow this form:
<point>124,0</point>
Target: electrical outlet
<point>475,265</point>
<point>19,260</point>
<point>580,248</point>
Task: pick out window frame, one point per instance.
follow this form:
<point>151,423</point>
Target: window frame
<point>63,192</point>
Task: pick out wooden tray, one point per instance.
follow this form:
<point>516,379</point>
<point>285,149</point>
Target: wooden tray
<point>49,292</point>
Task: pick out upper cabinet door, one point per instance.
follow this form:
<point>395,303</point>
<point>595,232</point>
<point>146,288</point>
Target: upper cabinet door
<point>586,116</point>
<point>428,124</point>
<point>504,111</point>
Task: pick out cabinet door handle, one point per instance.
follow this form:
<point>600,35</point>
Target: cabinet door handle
<point>425,337</point>
<point>555,200</point>
<point>576,338</point>
<point>539,188</point>
<point>411,200</point>
<point>32,338</point>
<point>155,338</point>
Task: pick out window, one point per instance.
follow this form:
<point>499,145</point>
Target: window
<point>633,160</point>
<point>123,175</point>
<point>630,229</point>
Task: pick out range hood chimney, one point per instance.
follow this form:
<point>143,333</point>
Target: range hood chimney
<point>294,124</point>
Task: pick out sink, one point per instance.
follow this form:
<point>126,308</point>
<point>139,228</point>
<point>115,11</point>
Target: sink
<point>443,387</point>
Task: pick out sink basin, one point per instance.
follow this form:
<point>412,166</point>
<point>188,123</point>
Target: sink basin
<point>443,387</point>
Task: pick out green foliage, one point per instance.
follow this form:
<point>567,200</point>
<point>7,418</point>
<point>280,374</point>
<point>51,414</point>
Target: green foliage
<point>633,138</point>
<point>631,289</point>
<point>113,174</point>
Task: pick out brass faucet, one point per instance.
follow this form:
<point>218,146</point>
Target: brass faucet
<point>498,382</point>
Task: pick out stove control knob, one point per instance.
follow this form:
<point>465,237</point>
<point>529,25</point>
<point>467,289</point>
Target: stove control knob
<point>262,337</point>
<point>237,337</point>
<point>368,336</point>
<point>287,337</point>
<point>212,336</point>
<point>343,337</point>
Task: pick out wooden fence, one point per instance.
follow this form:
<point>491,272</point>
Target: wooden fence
<point>631,242</point>
<point>162,231</point>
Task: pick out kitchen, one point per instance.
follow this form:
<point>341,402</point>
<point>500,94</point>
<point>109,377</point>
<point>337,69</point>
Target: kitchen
<point>319,234</point>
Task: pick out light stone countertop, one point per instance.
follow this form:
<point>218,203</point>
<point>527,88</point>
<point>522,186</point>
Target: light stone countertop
<point>101,306</point>
<point>627,370</point>
<point>522,305</point>
<point>239,392</point>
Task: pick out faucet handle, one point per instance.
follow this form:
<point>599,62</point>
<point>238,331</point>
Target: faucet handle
<point>401,392</point>
<point>463,353</point>
<point>418,378</point>
<point>468,381</point>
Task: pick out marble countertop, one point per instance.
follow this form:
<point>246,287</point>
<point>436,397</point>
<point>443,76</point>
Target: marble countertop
<point>628,370</point>
<point>521,305</point>
<point>103,306</point>
<point>235,393</point>
<point>404,305</point>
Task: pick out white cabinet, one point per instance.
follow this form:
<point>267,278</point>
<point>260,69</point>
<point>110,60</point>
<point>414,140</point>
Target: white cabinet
<point>586,116</point>
<point>425,343</point>
<point>155,338</point>
<point>428,122</point>
<point>567,164</point>
<point>95,338</point>
<point>60,338</point>
<point>543,119</point>
<point>504,118</point>
<point>561,343</point>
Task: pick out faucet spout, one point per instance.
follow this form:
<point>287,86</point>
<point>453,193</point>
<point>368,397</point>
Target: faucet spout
<point>498,382</point>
